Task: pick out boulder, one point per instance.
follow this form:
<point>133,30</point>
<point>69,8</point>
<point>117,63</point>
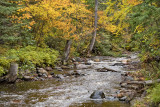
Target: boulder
<point>42,72</point>
<point>97,95</point>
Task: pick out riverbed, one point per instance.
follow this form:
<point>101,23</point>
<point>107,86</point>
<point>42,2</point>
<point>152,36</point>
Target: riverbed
<point>69,91</point>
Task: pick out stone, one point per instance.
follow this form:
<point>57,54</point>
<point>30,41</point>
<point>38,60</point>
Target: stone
<point>49,76</point>
<point>111,98</point>
<point>59,68</point>
<point>65,67</point>
<point>52,73</point>
<point>89,62</point>
<point>60,76</point>
<point>123,98</point>
<point>96,60</point>
<point>78,59</point>
<point>76,73</point>
<point>49,68</point>
<point>97,95</point>
<point>42,72</point>
<point>28,78</point>
<point>120,95</point>
<point>126,61</point>
<point>102,70</point>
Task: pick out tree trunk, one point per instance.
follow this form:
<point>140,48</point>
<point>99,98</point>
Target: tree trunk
<point>12,74</point>
<point>67,50</point>
<point>95,28</point>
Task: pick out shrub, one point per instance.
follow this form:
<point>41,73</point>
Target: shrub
<point>28,58</point>
<point>155,94</point>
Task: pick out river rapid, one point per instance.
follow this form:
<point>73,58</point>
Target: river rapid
<point>70,91</point>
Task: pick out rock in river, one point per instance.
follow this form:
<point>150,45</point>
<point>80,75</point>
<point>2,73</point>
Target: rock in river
<point>97,95</point>
<point>42,72</point>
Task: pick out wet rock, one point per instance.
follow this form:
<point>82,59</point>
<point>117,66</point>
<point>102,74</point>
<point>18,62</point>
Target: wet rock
<point>16,101</point>
<point>49,68</point>
<point>120,95</point>
<point>42,72</point>
<point>36,79</point>
<point>102,70</point>
<point>126,61</point>
<point>96,60</point>
<point>106,70</point>
<point>89,62</point>
<point>111,98</point>
<point>77,74</point>
<point>60,76</point>
<point>77,59</point>
<point>49,76</point>
<point>118,64</point>
<point>52,73</point>
<point>28,78</point>
<point>97,95</point>
<point>123,98</point>
<point>43,75</point>
<point>124,74</point>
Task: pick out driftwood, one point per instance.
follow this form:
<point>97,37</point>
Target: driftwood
<point>12,74</point>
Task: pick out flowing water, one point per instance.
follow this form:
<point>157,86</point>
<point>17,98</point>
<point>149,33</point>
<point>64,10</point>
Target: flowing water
<point>70,91</point>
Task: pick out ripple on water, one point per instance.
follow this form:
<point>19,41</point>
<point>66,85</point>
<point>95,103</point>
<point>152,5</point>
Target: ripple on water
<point>71,92</point>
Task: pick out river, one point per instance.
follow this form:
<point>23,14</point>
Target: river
<point>70,91</point>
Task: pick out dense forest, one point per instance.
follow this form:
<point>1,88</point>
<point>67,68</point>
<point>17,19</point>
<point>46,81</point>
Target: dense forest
<point>44,33</point>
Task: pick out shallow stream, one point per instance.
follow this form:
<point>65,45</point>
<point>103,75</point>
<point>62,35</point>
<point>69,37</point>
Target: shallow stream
<point>70,91</point>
